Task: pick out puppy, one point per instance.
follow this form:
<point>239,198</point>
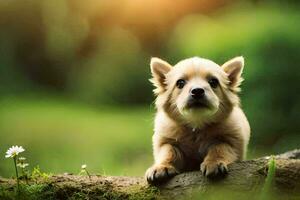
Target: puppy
<point>199,123</point>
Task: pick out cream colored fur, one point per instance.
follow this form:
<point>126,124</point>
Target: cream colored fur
<point>206,138</point>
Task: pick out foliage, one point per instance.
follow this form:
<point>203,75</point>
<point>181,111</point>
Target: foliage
<point>266,192</point>
<point>38,175</point>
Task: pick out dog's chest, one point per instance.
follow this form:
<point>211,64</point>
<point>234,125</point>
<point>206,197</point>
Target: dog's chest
<point>194,144</point>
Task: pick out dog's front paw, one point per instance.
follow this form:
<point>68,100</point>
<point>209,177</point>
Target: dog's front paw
<point>214,168</point>
<point>160,173</point>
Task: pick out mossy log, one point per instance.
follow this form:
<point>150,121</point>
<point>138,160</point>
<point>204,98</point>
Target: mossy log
<point>247,177</point>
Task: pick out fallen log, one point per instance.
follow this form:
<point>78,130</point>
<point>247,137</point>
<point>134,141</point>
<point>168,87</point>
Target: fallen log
<point>246,178</point>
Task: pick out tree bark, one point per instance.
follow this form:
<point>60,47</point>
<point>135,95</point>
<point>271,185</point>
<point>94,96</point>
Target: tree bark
<point>245,176</point>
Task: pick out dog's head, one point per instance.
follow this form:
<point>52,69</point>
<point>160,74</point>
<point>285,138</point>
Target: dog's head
<point>197,91</point>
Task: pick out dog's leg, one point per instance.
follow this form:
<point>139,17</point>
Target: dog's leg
<point>168,162</point>
<point>217,158</point>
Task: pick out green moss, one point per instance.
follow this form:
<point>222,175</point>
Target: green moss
<point>51,191</point>
<point>6,193</point>
<point>27,192</point>
<point>143,193</point>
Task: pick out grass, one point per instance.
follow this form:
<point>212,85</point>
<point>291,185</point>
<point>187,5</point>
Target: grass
<point>42,186</point>
<point>266,192</point>
<point>60,136</point>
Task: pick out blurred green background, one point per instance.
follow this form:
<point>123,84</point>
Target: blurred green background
<point>74,75</point>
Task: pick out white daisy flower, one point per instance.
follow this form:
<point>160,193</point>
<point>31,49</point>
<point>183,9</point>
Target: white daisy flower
<point>23,165</point>
<point>22,159</point>
<point>14,151</point>
<point>83,166</point>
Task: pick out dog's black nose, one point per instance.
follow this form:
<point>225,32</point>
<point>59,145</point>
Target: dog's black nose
<point>197,93</point>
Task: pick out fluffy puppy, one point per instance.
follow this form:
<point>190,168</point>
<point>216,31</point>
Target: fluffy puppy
<point>199,123</point>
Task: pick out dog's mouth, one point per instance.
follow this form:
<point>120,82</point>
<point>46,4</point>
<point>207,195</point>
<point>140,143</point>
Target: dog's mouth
<point>197,104</point>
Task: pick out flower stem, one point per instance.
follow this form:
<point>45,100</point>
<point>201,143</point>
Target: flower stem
<point>24,174</point>
<point>88,174</point>
<point>15,162</point>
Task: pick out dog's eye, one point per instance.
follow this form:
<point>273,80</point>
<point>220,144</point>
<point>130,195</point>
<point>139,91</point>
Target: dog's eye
<point>213,82</point>
<point>180,83</point>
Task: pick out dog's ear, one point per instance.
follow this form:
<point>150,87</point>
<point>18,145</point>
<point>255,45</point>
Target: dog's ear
<point>159,69</point>
<point>234,69</point>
